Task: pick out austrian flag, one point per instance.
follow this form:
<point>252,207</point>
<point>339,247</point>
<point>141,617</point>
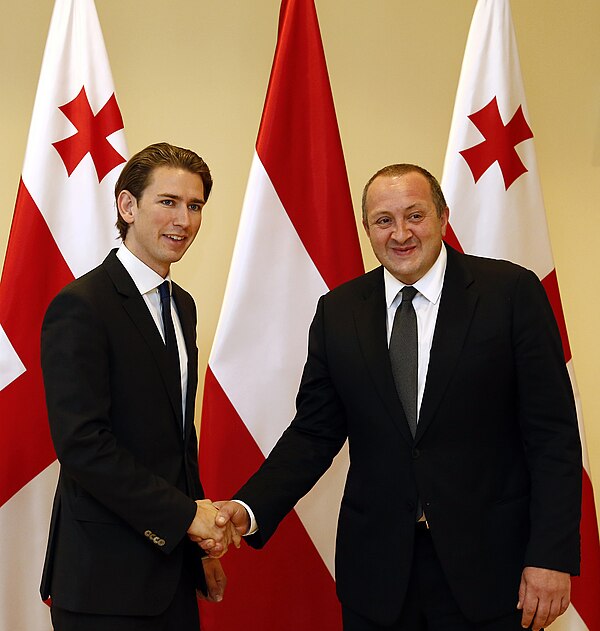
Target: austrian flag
<point>296,240</point>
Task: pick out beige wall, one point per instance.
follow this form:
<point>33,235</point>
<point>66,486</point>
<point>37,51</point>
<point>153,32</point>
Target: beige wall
<point>194,73</point>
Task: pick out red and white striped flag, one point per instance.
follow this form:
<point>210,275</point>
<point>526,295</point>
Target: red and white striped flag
<point>63,225</point>
<point>296,240</point>
<point>492,187</point>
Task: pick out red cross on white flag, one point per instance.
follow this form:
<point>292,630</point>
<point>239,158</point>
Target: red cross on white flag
<point>91,135</point>
<point>63,225</point>
<point>492,187</point>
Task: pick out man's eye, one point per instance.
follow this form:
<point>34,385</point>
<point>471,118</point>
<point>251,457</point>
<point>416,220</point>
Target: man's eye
<point>166,202</point>
<point>383,221</point>
<point>195,207</point>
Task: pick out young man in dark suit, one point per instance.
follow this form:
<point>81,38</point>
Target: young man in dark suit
<point>462,502</point>
<point>119,360</point>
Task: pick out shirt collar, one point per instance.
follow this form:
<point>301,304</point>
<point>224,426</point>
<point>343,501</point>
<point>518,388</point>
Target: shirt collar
<point>429,285</point>
<point>145,278</point>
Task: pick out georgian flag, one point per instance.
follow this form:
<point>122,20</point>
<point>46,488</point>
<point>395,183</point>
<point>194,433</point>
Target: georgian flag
<point>297,239</point>
<point>492,187</point>
<point>63,226</point>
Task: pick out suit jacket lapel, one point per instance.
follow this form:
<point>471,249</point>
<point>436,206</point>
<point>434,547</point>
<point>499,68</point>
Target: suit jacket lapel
<point>188,325</point>
<point>371,329</point>
<point>136,307</point>
<point>456,311</point>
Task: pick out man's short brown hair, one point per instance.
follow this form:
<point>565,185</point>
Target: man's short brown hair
<point>135,175</point>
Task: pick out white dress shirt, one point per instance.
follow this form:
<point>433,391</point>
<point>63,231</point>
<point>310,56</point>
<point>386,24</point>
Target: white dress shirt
<point>147,282</point>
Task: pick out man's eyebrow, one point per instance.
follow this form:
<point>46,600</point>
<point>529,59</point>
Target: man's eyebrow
<point>194,200</point>
<point>419,205</point>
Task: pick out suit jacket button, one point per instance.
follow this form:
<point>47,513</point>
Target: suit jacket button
<point>161,542</point>
<point>148,533</point>
<point>415,454</point>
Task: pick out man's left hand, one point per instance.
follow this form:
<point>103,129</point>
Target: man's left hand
<point>216,580</point>
<point>543,596</point>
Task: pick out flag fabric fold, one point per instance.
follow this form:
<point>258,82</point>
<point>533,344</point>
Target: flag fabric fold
<point>297,239</point>
<point>492,186</point>
<point>63,225</point>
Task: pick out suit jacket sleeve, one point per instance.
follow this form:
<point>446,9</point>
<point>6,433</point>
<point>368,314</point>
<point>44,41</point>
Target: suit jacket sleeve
<point>79,393</point>
<point>306,448</point>
<point>549,430</point>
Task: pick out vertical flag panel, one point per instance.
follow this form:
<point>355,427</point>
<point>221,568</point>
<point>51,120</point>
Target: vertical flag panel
<point>296,240</point>
<point>63,225</point>
<point>493,189</point>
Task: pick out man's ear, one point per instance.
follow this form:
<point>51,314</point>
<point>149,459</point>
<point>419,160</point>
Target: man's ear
<point>445,218</point>
<point>127,206</point>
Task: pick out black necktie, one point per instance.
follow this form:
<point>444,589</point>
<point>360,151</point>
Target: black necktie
<point>170,339</point>
<point>404,355</point>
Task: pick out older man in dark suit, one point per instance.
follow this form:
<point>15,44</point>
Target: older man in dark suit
<point>119,361</point>
<point>446,374</point>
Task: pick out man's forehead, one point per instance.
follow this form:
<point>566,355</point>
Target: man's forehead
<point>411,183</point>
<point>394,179</point>
<point>166,174</point>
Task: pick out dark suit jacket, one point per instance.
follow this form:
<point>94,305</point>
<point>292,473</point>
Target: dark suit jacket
<point>128,474</point>
<point>496,460</point>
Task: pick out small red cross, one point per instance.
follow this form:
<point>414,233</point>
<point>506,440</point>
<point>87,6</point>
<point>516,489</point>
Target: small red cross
<point>91,135</point>
<point>499,144</point>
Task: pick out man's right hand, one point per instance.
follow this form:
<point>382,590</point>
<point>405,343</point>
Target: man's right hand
<point>234,513</point>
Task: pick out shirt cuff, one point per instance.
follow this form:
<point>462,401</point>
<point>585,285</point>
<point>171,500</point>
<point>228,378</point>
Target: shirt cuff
<point>253,525</point>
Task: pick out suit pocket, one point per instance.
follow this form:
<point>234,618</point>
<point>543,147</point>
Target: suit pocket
<point>88,509</point>
<point>518,500</point>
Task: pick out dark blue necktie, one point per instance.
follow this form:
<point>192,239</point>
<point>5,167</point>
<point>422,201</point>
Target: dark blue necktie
<point>169,329</point>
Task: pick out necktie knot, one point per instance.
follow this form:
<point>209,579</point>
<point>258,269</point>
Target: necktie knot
<point>164,291</point>
<point>408,293</point>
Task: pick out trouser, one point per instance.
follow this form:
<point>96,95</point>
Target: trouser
<point>180,615</point>
<point>429,604</point>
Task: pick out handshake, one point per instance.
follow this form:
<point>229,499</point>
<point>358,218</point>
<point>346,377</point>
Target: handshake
<point>217,525</point>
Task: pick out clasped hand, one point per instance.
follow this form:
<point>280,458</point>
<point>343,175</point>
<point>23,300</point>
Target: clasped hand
<point>214,539</point>
<point>217,525</point>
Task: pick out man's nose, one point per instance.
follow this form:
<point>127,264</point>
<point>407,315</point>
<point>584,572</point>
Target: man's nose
<point>182,216</point>
<point>402,232</point>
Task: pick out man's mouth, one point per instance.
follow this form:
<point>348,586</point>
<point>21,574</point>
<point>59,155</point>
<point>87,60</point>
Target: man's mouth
<point>403,251</point>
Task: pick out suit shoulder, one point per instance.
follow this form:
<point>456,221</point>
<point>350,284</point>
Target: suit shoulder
<point>358,287</point>
<point>496,270</point>
<point>89,285</point>
<point>92,292</point>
